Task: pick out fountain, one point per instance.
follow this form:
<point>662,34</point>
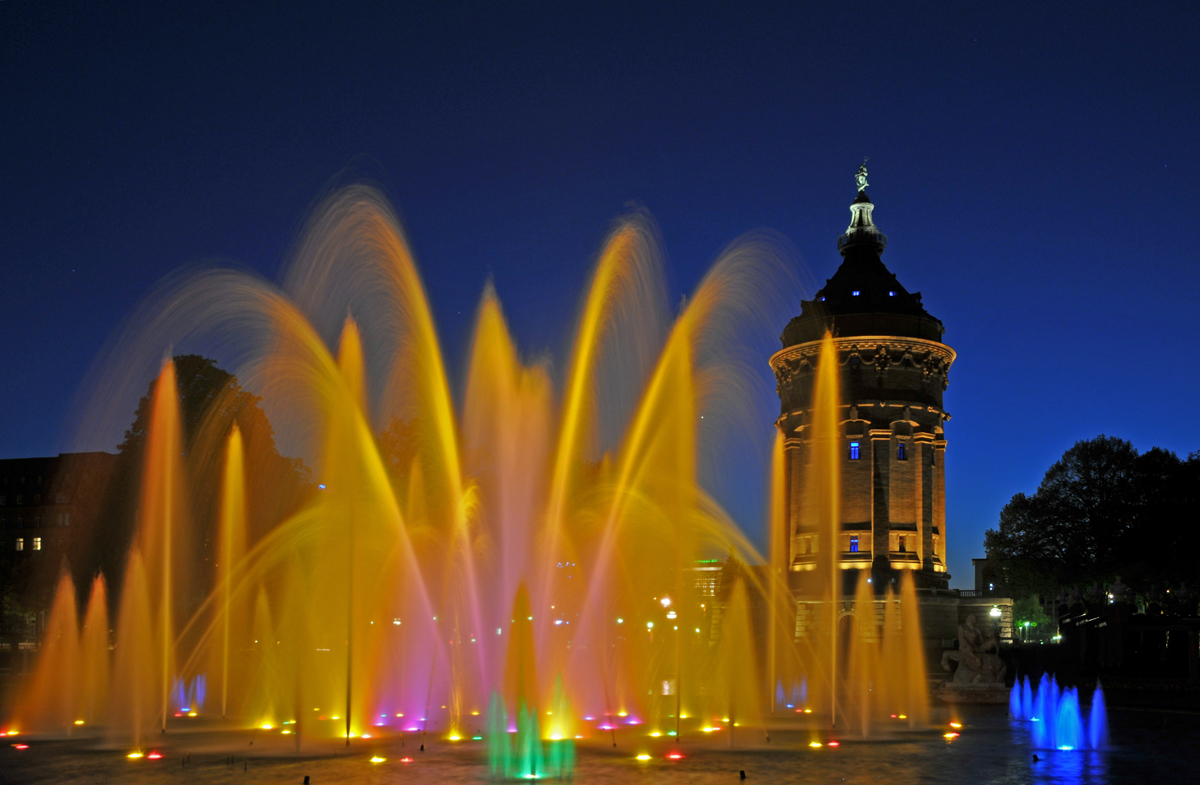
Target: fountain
<point>531,558</point>
<point>1057,721</point>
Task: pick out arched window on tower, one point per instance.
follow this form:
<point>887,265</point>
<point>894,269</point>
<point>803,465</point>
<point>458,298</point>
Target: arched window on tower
<point>854,451</point>
<point>901,452</point>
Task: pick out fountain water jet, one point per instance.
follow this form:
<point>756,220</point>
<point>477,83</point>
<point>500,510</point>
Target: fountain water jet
<point>524,548</point>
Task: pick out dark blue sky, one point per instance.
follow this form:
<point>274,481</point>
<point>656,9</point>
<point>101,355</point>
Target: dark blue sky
<point>1031,163</point>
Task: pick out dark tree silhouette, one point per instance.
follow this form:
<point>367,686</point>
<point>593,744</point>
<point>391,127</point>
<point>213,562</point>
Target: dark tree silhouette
<point>211,400</point>
<point>1101,511</point>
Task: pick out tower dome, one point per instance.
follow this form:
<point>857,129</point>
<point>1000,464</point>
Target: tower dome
<point>863,297</point>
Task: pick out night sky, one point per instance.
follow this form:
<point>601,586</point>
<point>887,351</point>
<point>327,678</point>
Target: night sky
<point>1031,163</point>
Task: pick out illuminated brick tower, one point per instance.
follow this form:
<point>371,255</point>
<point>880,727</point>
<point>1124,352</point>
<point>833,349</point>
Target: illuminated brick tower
<point>893,370</point>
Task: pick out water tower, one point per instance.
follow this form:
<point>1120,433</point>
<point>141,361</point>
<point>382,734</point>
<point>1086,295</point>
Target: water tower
<point>893,370</point>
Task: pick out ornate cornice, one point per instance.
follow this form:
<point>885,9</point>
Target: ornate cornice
<point>880,351</point>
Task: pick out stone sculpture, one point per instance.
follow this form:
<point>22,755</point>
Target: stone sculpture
<point>977,656</point>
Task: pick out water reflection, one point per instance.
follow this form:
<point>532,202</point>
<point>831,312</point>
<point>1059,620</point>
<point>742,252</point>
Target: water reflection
<point>1073,767</point>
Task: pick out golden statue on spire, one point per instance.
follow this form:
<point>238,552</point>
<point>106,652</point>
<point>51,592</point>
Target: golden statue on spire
<point>860,177</point>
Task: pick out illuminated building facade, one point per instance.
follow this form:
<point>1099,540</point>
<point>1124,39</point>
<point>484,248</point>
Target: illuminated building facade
<point>893,369</point>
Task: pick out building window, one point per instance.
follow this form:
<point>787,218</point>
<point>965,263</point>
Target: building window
<point>903,545</point>
<point>854,544</point>
<point>854,451</point>
<point>901,452</point>
<point>37,543</point>
<point>808,544</point>
<point>20,543</point>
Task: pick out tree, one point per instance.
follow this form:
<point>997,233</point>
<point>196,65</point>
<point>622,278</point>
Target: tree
<point>1031,620</point>
<point>1101,511</point>
<point>211,400</point>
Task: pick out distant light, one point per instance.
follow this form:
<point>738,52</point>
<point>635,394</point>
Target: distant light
<point>267,725</point>
<point>134,755</point>
<point>956,725</point>
<point>666,602</point>
<point>620,620</point>
<point>454,737</point>
<point>23,747</point>
<point>78,722</point>
<point>476,738</point>
<point>671,614</point>
<point>950,735</point>
<point>855,293</point>
<point>154,755</point>
<point>670,733</point>
<point>406,760</point>
<point>656,733</point>
<point>649,625</point>
<point>834,744</point>
<point>994,612</point>
<point>378,759</point>
<point>674,755</point>
<point>396,622</point>
<point>868,580</point>
<point>816,744</point>
<point>903,716</point>
<point>891,294</point>
<point>1066,747</point>
<point>497,630</point>
<point>643,756</point>
<point>321,486</point>
<point>558,622</point>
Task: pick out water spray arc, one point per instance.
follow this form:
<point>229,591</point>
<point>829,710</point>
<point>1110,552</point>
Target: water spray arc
<point>533,556</point>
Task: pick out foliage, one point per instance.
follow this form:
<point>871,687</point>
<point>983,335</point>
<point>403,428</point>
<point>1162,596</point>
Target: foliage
<point>1029,611</point>
<point>211,400</point>
<point>1101,511</point>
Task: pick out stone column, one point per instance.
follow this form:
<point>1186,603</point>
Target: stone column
<point>881,464</point>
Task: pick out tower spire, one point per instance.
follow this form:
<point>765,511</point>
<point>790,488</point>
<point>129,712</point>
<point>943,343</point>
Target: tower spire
<point>862,230</point>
